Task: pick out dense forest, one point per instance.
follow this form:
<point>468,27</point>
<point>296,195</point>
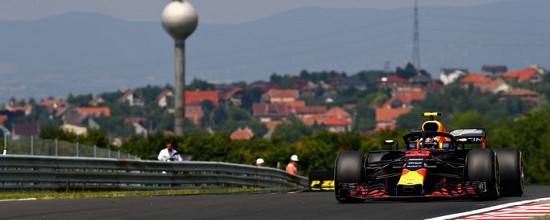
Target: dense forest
<point>509,122</point>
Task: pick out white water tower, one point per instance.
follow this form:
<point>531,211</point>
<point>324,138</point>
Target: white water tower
<point>179,20</point>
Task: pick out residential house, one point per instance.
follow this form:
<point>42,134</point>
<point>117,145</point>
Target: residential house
<point>95,111</point>
<point>524,94</point>
<point>97,100</point>
<point>484,83</point>
<point>407,95</point>
<point>271,111</point>
<point>54,105</point>
<point>26,129</point>
<point>391,82</point>
<point>197,97</point>
<point>448,76</point>
<point>532,74</point>
<point>78,130</point>
<point>73,116</point>
<point>132,99</point>
<point>26,109</point>
<point>165,98</point>
<point>420,80</point>
<point>281,95</point>
<point>337,125</point>
<point>3,119</point>
<point>386,118</point>
<point>309,111</point>
<point>242,134</point>
<point>494,70</point>
<point>352,82</point>
<point>194,113</point>
<point>233,96</point>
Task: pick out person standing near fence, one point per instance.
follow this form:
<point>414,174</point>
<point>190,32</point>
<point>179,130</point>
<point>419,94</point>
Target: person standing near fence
<point>169,153</point>
<point>260,162</point>
<point>292,166</point>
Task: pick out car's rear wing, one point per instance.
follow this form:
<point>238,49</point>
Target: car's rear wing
<point>470,135</point>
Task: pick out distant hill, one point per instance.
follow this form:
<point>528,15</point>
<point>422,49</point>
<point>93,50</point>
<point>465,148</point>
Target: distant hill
<point>90,53</point>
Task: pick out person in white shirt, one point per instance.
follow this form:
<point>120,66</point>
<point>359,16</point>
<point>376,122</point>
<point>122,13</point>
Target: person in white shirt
<point>169,153</point>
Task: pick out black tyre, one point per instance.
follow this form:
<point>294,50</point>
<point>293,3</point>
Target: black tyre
<point>348,169</point>
<point>510,163</point>
<point>482,165</point>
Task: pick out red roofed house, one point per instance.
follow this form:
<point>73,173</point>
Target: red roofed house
<point>196,97</point>
<point>95,111</point>
<point>337,124</point>
<point>524,94</point>
<point>531,74</point>
<point>271,111</point>
<point>386,118</point>
<point>281,95</point>
<point>27,108</point>
<point>234,96</point>
<point>242,134</point>
<point>53,105</point>
<point>484,83</point>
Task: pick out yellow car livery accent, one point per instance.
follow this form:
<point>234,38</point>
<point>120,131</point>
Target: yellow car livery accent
<point>412,177</point>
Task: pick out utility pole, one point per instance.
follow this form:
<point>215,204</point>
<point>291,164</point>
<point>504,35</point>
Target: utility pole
<point>416,46</point>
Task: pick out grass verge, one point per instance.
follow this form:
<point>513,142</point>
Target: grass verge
<point>112,194</point>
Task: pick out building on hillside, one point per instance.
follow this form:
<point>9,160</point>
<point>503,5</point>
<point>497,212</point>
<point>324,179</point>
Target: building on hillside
<point>281,95</point>
<point>448,76</point>
<point>78,130</point>
<point>494,70</point>
<point>197,97</point>
<point>131,99</point>
<point>95,111</point>
<point>165,98</point>
<point>484,83</point>
<point>242,134</point>
<point>24,129</point>
<point>26,109</point>
<point>532,75</point>
<point>386,118</point>
<point>97,100</point>
<point>524,94</point>
<point>233,96</point>
<point>271,111</point>
<point>194,113</point>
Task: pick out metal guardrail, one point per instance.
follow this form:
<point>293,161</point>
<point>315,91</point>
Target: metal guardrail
<point>71,173</point>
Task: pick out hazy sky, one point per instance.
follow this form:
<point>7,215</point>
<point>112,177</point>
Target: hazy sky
<point>209,11</point>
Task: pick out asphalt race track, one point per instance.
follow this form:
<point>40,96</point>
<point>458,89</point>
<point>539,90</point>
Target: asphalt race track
<point>302,205</point>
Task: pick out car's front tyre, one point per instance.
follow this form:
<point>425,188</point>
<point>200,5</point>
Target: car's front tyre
<point>348,169</point>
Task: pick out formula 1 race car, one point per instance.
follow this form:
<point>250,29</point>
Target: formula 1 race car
<point>433,163</point>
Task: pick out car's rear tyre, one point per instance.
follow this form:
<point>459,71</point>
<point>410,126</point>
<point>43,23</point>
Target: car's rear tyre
<point>510,163</point>
<point>348,169</point>
<point>482,165</point>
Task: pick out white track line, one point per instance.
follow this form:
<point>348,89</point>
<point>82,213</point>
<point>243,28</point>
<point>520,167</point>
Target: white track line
<point>488,209</point>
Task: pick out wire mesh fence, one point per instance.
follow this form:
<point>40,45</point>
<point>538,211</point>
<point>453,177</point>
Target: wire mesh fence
<point>31,145</point>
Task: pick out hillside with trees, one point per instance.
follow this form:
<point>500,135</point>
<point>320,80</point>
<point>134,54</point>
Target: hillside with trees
<point>510,121</point>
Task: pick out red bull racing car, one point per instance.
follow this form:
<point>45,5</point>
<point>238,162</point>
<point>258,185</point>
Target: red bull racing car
<point>433,163</point>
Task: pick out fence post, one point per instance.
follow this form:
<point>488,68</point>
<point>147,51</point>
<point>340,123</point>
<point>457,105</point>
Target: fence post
<point>77,149</point>
<point>32,145</point>
<point>95,149</point>
<point>56,148</point>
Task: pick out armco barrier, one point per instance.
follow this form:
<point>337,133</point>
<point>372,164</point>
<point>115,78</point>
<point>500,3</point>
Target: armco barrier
<point>71,173</point>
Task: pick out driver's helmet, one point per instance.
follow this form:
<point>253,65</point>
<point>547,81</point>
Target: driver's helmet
<point>429,143</point>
